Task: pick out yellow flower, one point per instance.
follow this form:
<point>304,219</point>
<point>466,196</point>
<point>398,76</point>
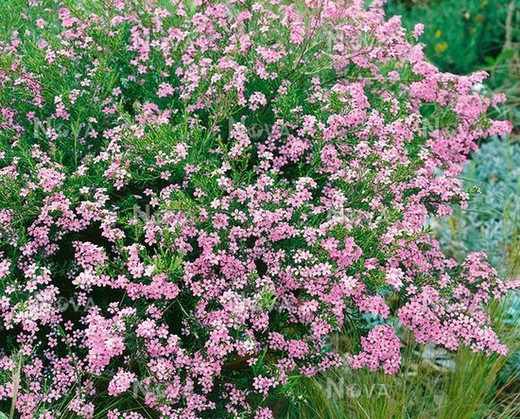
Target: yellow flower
<point>438,33</point>
<point>441,47</point>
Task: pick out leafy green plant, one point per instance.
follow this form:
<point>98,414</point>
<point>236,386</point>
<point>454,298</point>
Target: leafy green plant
<point>431,384</point>
<point>459,35</point>
<point>492,221</point>
<point>194,196</point>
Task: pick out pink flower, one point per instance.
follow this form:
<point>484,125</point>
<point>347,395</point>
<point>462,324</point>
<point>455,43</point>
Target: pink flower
<point>381,348</point>
<point>165,90</point>
<point>50,179</point>
<point>121,382</point>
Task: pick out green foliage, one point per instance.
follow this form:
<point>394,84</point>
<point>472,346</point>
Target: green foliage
<point>459,35</point>
<point>431,384</point>
<point>492,221</point>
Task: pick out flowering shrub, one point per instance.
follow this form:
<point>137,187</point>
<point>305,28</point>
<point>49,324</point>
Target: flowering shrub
<point>212,189</point>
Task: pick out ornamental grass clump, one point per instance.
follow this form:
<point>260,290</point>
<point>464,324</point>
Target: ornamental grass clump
<point>195,195</point>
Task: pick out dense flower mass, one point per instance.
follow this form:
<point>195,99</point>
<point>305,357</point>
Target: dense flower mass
<point>195,195</point>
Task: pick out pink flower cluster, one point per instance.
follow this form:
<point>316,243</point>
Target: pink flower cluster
<point>219,187</point>
<point>381,348</point>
